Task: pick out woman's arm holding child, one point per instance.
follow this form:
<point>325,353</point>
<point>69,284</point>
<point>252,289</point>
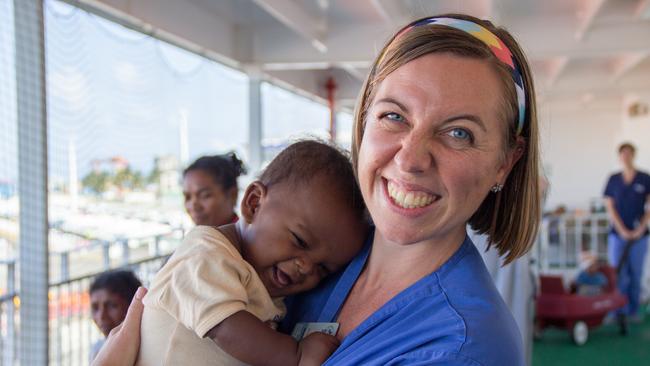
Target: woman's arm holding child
<point>248,339</point>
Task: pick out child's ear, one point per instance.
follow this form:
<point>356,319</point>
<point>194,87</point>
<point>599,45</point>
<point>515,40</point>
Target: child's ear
<point>255,193</point>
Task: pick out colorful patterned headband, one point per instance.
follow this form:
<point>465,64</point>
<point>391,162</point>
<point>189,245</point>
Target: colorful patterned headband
<point>497,47</point>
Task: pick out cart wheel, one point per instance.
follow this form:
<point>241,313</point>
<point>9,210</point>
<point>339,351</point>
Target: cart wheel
<point>580,333</point>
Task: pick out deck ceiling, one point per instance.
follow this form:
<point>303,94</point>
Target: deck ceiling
<point>580,49</point>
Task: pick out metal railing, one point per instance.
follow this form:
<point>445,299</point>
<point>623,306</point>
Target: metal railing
<point>72,332</point>
<point>8,317</point>
<point>562,239</point>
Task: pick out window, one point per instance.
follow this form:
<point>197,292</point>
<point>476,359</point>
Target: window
<point>9,209</point>
<point>126,112</point>
<point>344,124</point>
<point>8,144</point>
<point>287,116</point>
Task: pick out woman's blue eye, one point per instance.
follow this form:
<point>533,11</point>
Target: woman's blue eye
<point>459,133</point>
<point>394,117</point>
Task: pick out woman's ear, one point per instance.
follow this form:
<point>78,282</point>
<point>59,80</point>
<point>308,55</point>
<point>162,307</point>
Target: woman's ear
<point>511,158</point>
<point>253,197</point>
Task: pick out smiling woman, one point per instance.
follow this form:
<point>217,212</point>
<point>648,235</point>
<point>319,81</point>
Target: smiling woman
<point>419,141</point>
<point>445,135</point>
<point>482,108</point>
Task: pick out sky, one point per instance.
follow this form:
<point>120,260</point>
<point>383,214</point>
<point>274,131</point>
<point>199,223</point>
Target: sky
<point>113,91</point>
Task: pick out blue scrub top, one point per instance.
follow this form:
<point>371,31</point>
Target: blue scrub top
<point>453,316</point>
<point>629,199</point>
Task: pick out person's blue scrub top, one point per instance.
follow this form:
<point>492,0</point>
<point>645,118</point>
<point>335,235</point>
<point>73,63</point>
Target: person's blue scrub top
<point>453,316</point>
<point>629,199</point>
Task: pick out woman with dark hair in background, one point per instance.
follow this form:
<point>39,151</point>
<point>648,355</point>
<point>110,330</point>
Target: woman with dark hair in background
<point>210,189</point>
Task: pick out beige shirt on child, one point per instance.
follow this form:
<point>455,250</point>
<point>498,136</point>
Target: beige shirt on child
<point>203,283</point>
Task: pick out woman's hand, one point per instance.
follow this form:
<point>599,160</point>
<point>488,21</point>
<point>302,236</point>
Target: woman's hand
<point>626,234</point>
<point>123,343</point>
<point>638,232</point>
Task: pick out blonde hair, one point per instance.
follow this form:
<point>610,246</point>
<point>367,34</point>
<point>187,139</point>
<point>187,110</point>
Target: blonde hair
<point>509,218</point>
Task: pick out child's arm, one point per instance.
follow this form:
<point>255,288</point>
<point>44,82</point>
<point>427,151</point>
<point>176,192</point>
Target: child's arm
<point>248,339</point>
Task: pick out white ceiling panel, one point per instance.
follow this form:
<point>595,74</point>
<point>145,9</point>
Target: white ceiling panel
<point>576,47</point>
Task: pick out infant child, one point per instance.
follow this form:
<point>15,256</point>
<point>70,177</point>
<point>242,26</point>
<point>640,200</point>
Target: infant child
<point>590,280</point>
<point>216,299</point>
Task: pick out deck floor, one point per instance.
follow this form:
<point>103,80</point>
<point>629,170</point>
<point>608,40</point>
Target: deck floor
<point>604,347</point>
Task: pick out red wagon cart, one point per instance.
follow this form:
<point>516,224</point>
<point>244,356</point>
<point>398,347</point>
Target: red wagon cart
<point>557,306</point>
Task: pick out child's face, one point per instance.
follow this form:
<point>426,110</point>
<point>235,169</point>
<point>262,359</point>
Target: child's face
<point>108,309</point>
<point>295,235</point>
<point>593,268</point>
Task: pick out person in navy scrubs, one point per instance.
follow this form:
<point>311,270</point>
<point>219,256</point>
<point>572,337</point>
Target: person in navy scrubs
<point>445,135</point>
<point>626,196</point>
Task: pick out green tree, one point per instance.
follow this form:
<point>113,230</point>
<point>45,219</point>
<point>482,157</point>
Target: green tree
<point>97,182</point>
<point>154,176</point>
<point>137,180</point>
<point>122,178</point>
<point>128,179</point>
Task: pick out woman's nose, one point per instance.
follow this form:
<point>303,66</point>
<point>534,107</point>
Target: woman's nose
<point>414,155</point>
<point>194,205</point>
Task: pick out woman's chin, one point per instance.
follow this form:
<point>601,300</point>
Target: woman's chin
<point>402,235</point>
<point>411,234</point>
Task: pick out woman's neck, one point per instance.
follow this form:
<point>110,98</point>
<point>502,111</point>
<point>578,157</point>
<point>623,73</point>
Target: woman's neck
<point>391,269</point>
<point>402,265</point>
<point>628,173</point>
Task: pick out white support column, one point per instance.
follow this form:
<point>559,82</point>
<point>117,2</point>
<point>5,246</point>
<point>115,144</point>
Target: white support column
<point>32,180</point>
<point>255,153</point>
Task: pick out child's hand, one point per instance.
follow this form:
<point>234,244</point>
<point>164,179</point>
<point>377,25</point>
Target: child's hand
<point>316,348</point>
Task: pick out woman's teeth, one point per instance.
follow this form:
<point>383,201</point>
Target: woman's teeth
<point>409,199</point>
